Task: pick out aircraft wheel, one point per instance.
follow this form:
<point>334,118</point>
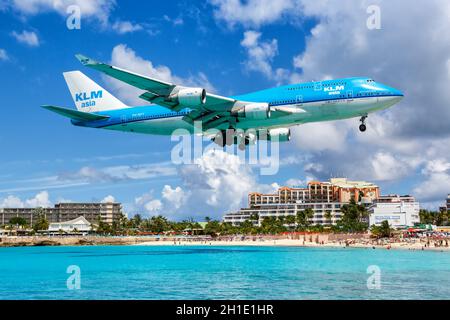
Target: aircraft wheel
<point>362,128</point>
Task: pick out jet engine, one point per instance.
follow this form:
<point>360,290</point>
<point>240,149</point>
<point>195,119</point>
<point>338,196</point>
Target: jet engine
<point>190,97</point>
<point>280,135</point>
<point>255,111</point>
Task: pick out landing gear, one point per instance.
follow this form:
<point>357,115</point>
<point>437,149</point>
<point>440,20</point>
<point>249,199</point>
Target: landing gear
<point>363,126</point>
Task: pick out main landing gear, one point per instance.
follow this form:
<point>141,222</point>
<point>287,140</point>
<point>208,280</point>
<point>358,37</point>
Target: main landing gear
<point>363,126</point>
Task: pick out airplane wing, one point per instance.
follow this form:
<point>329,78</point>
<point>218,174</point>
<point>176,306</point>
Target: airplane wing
<point>75,115</point>
<point>157,91</point>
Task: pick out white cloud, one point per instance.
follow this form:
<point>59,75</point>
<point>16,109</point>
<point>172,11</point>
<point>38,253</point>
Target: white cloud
<point>123,27</point>
<point>176,21</point>
<point>436,184</point>
<point>11,202</point>
<point>175,196</point>
<point>126,58</point>
<point>3,55</point>
<point>97,9</point>
<point>321,136</point>
<point>109,199</point>
<point>30,38</point>
<point>217,183</point>
<point>253,13</point>
<point>42,199</point>
<point>119,173</point>
<point>387,167</point>
<point>153,206</point>
<point>260,55</point>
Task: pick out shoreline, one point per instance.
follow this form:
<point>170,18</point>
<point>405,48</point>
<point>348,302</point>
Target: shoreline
<point>230,242</point>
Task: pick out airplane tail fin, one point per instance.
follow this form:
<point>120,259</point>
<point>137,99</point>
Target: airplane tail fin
<point>88,95</point>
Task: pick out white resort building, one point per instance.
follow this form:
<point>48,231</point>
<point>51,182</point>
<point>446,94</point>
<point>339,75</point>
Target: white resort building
<point>78,225</point>
<point>399,211</point>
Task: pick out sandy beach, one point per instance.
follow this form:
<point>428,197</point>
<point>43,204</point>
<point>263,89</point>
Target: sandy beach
<point>315,241</point>
<point>296,243</point>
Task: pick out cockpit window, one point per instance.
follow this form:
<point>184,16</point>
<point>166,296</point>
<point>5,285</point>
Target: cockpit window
<point>370,80</point>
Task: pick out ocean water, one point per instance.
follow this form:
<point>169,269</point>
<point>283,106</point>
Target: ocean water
<point>210,272</point>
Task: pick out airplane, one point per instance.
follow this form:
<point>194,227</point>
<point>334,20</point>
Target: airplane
<point>273,111</point>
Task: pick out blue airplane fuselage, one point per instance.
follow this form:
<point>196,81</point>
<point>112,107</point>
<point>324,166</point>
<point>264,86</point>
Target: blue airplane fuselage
<point>310,102</point>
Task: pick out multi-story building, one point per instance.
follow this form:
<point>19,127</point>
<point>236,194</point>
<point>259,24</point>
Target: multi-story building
<point>399,211</point>
<point>448,202</point>
<point>62,212</point>
<point>324,198</point>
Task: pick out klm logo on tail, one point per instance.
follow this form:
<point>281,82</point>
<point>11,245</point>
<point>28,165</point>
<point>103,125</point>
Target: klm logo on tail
<point>88,100</point>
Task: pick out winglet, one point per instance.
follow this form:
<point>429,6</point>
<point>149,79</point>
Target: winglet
<point>86,61</point>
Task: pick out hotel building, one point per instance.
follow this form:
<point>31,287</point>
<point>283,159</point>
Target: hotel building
<point>62,212</point>
<point>321,197</point>
<point>399,211</point>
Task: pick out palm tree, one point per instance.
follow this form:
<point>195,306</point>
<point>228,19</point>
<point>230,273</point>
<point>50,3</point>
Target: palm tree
<point>328,216</point>
<point>290,220</point>
<point>42,222</point>
<point>304,218</point>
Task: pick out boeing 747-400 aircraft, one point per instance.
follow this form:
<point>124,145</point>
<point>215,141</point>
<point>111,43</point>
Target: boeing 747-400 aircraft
<point>174,106</point>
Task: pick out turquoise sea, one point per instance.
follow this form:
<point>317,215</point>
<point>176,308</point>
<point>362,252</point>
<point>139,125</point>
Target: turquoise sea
<point>178,272</point>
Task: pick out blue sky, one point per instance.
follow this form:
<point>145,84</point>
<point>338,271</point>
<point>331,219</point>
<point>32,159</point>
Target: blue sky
<point>45,160</point>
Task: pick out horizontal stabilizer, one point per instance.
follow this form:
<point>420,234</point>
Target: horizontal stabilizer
<point>75,115</point>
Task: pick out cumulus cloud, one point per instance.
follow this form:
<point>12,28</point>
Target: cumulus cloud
<point>217,183</point>
<point>42,199</point>
<point>436,184</point>
<point>99,10</point>
<point>11,202</point>
<point>253,13</point>
<point>109,199</point>
<point>29,38</point>
<point>96,9</point>
<point>125,57</point>
<point>123,27</point>
<point>260,55</point>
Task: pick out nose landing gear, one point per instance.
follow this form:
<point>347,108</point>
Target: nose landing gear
<point>363,126</point>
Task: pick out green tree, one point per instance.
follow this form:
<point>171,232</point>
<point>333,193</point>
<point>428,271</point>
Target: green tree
<point>304,218</point>
<point>136,221</point>
<point>272,225</point>
<point>382,231</point>
<point>290,221</point>
<point>213,228</point>
<point>354,218</point>
<point>158,224</point>
<point>41,223</point>
<point>19,222</point>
